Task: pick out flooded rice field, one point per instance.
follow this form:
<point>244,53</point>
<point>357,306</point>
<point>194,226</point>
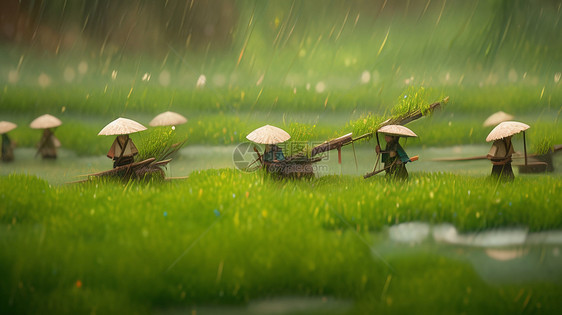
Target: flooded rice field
<point>69,167</point>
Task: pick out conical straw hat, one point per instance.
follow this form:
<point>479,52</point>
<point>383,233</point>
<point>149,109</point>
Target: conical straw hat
<point>497,118</point>
<point>121,126</point>
<point>506,129</point>
<point>168,119</point>
<point>45,121</point>
<point>268,135</point>
<point>6,126</point>
<point>397,130</point>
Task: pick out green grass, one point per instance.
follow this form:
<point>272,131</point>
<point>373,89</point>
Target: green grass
<point>142,246</point>
<point>90,98</point>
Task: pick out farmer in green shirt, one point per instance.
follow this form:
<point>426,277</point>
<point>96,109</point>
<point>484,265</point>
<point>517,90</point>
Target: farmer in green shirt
<point>394,157</point>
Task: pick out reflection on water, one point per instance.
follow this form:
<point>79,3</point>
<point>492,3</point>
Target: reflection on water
<point>498,256</point>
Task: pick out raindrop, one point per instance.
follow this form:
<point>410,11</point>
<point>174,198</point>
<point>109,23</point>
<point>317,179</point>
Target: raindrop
<point>365,77</point>
<point>320,87</point>
<point>201,81</point>
<point>260,80</point>
<point>44,80</point>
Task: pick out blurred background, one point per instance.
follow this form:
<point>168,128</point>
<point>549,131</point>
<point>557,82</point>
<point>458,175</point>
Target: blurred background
<point>281,43</point>
<point>231,66</point>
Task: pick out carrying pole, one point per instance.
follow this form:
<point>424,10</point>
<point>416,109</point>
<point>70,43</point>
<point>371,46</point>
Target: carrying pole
<point>525,147</point>
<point>355,156</point>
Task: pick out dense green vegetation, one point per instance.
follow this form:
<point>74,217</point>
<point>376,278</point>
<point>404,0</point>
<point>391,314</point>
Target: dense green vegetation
<point>226,237</point>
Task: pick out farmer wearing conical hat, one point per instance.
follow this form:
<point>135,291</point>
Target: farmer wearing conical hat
<point>7,149</point>
<point>500,156</point>
<point>502,148</point>
<point>48,144</point>
<point>270,136</point>
<point>123,150</point>
<point>394,157</point>
<point>7,152</point>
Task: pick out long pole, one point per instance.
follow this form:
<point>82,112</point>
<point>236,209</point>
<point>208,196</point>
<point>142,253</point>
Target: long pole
<point>355,156</point>
<point>525,148</point>
<point>378,154</point>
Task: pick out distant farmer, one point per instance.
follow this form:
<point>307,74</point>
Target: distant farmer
<point>270,136</point>
<point>7,149</point>
<point>123,150</point>
<point>394,157</point>
<point>273,153</point>
<point>48,144</point>
<point>502,148</point>
<point>7,152</point>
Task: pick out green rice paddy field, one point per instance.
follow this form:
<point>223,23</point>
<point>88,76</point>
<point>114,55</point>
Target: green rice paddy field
<point>227,238</point>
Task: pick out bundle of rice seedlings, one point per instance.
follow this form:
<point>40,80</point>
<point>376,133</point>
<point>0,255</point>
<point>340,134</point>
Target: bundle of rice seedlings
<point>543,146</point>
<point>159,145</point>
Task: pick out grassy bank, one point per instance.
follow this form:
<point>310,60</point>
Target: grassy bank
<point>111,99</point>
<point>225,237</point>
